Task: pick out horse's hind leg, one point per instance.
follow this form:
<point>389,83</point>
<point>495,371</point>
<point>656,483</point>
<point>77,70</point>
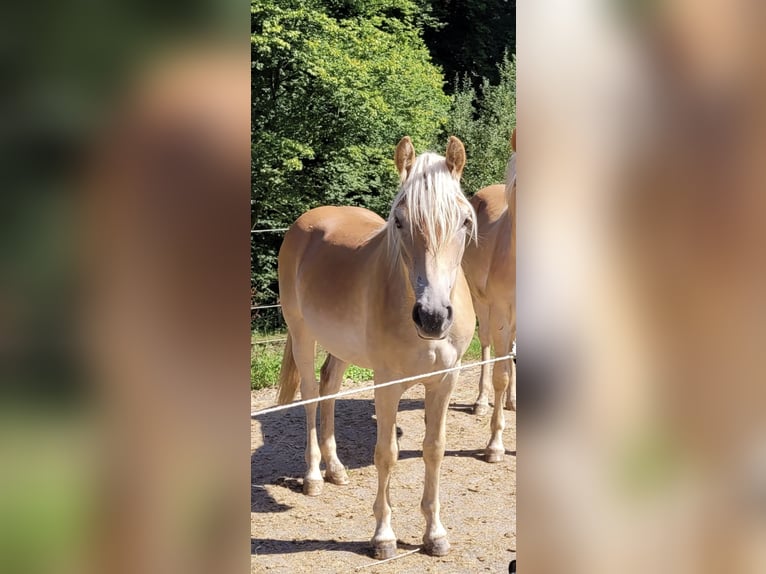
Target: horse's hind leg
<point>304,348</point>
<point>329,383</point>
<point>481,406</point>
<point>437,400</point>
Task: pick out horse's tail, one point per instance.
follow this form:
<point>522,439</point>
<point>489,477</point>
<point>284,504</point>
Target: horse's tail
<point>288,375</point>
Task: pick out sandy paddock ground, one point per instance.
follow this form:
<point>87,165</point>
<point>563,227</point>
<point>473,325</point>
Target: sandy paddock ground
<point>292,533</point>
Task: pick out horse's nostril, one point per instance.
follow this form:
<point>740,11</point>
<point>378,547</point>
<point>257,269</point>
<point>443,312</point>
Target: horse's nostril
<point>449,312</point>
<point>416,314</point>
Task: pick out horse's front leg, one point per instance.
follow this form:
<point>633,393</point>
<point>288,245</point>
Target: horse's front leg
<point>437,400</point>
<point>386,453</point>
<point>510,395</point>
<point>481,406</point>
<point>501,379</point>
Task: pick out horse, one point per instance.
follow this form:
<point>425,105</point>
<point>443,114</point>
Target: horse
<point>490,268</point>
<point>386,295</point>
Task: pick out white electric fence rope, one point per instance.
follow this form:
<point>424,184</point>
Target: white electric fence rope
<point>269,230</point>
<point>265,307</point>
<point>377,386</point>
<point>264,341</point>
<point>378,562</point>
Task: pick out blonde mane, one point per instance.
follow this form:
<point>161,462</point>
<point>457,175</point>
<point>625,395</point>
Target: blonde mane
<point>435,204</point>
<point>510,179</point>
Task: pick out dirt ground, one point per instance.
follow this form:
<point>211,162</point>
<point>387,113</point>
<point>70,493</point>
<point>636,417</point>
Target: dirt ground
<point>292,533</point>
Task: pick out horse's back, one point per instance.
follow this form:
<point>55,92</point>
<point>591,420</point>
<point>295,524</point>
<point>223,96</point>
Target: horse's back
<point>345,225</point>
<point>328,229</point>
<point>490,204</point>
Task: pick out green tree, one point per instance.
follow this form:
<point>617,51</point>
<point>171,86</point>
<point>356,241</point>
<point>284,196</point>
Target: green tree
<point>334,86</point>
<point>484,120</point>
<point>469,38</point>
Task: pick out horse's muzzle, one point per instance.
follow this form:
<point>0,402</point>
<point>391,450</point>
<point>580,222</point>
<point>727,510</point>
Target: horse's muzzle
<point>432,323</point>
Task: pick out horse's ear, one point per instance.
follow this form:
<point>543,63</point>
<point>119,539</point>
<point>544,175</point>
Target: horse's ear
<point>404,157</point>
<point>455,157</point>
<point>513,140</point>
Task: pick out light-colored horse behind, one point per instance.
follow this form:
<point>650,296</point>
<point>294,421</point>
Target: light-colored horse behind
<point>386,295</point>
<point>490,268</point>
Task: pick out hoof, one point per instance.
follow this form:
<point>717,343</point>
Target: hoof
<point>480,410</point>
<point>312,487</point>
<point>438,547</point>
<point>339,477</point>
<point>494,454</point>
<point>384,550</point>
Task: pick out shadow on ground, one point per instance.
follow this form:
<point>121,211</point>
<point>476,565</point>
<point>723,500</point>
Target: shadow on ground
<point>280,460</point>
<point>266,546</point>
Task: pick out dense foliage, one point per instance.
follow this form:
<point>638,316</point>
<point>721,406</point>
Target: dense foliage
<point>470,38</point>
<point>484,122</point>
<point>335,84</point>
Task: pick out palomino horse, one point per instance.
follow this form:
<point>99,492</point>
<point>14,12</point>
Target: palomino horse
<point>386,295</point>
<point>490,268</point>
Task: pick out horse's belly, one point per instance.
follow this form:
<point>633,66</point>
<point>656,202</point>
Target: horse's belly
<point>331,287</point>
<point>340,334</point>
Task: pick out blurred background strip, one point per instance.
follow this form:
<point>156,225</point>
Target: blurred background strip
<point>124,234</point>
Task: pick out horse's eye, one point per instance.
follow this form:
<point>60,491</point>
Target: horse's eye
<point>397,223</point>
<point>467,222</point>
